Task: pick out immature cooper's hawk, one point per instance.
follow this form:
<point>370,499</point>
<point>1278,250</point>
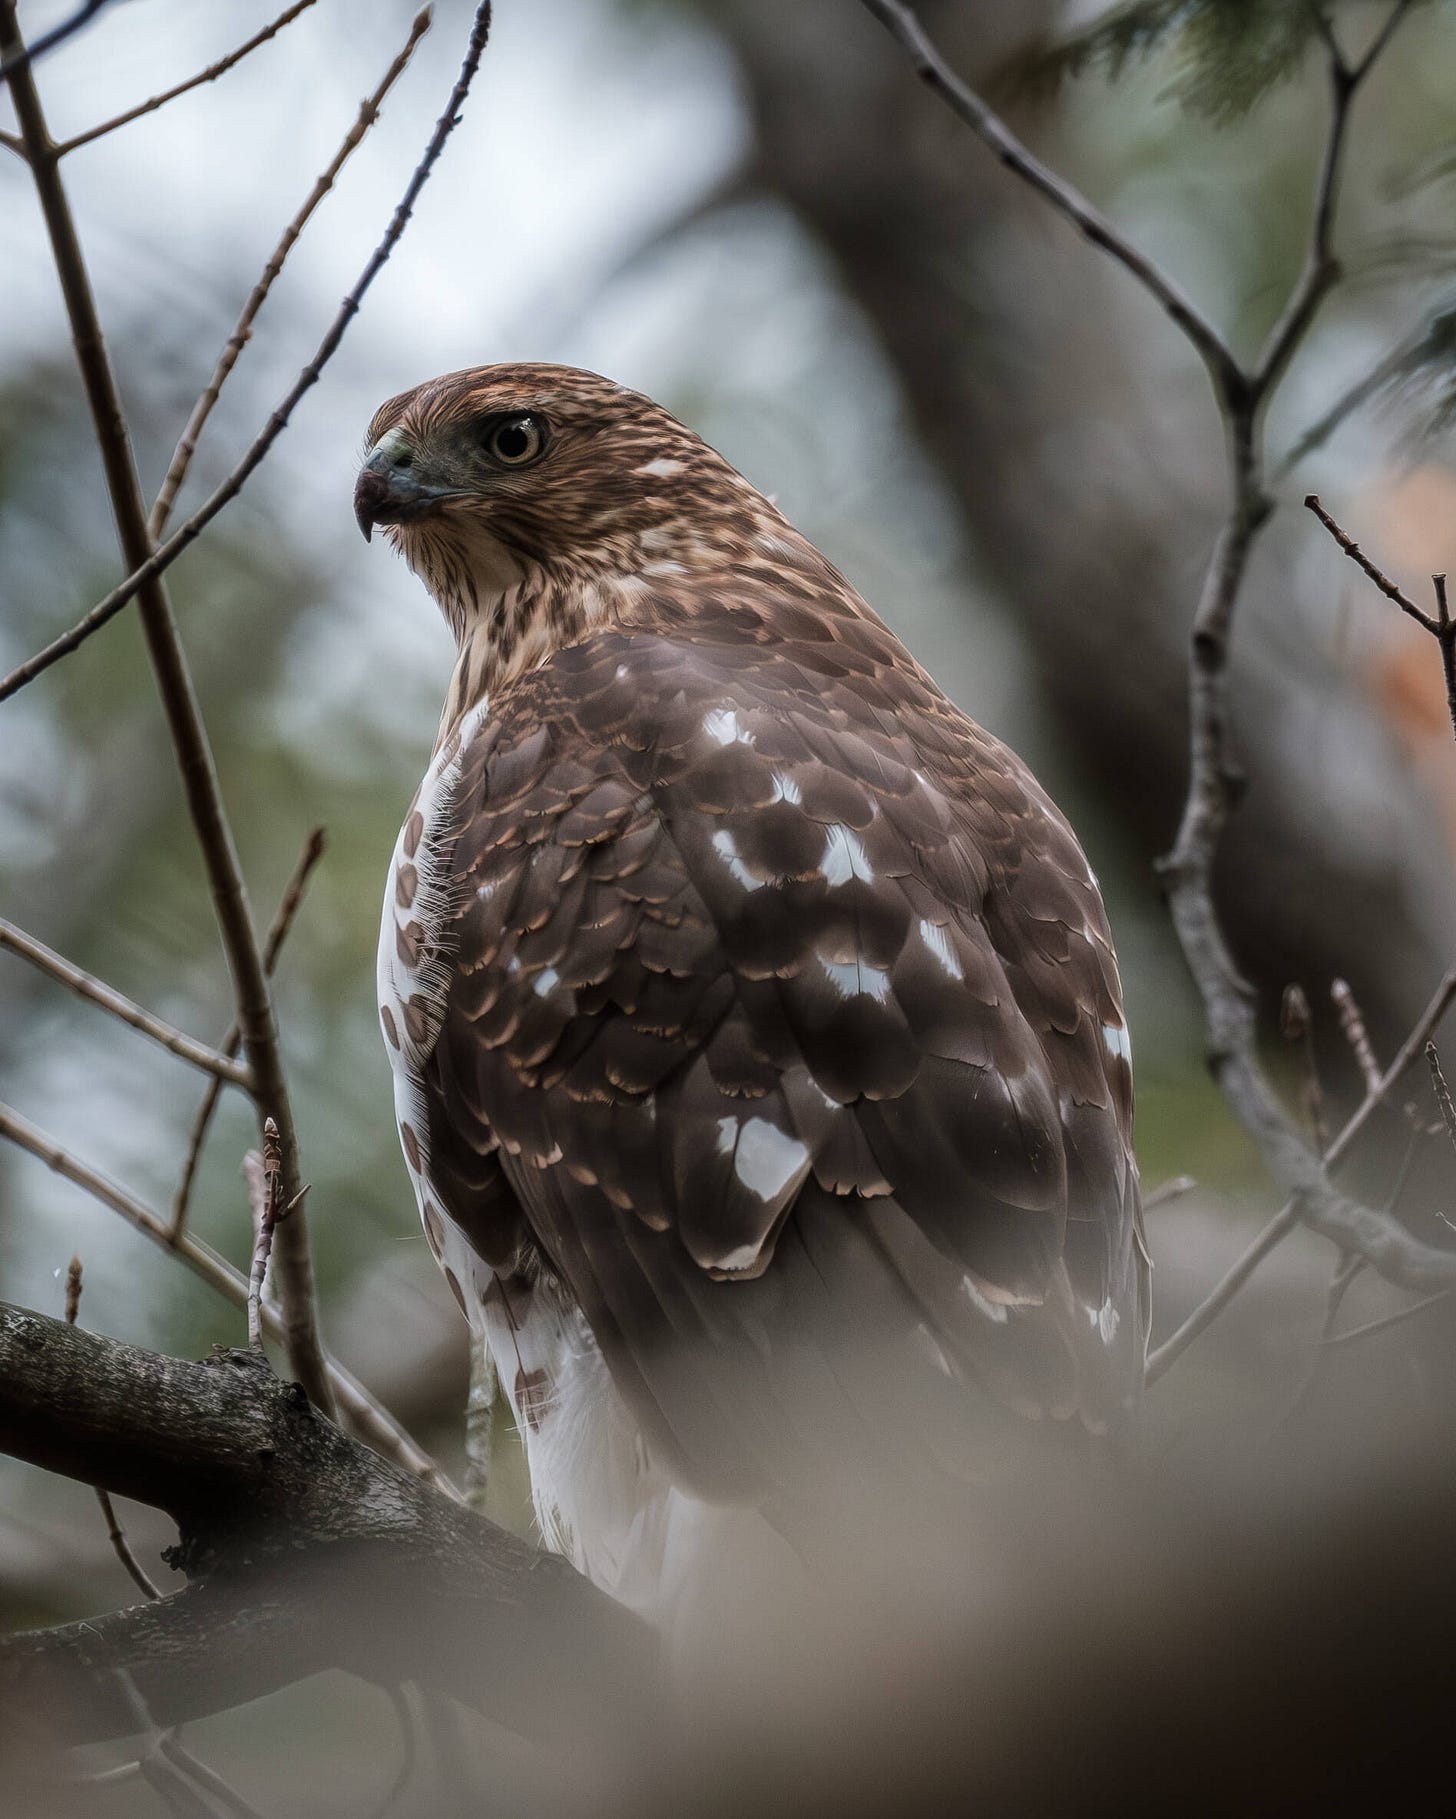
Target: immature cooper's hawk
<point>757,1038</point>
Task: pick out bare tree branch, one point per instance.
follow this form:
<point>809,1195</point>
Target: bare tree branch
<point>1214,779</point>
<point>932,69</point>
<point>95,991</point>
<point>306,1551</point>
<point>1441,626</point>
<point>1352,1026</point>
<point>120,1546</point>
<point>288,904</point>
<point>1386,1321</point>
<point>167,553</point>
<point>1287,1218</point>
<point>238,340</point>
<point>210,74</point>
<point>20,57</point>
<point>1353,550</point>
<point>184,1782</point>
<point>369,1418</point>
<point>193,751</point>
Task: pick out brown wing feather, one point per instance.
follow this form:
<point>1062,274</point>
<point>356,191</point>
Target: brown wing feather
<point>784,1000</point>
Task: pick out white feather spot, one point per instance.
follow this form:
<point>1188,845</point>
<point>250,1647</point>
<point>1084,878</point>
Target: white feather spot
<point>768,1159</point>
<point>662,468</point>
<point>936,939</point>
<point>726,848</point>
<point>545,981</point>
<point>844,857</point>
<point>854,979</point>
<point>785,789</point>
<point>1117,1041</point>
<point>993,1310</point>
<point>721,723</point>
<point>1106,1320</point>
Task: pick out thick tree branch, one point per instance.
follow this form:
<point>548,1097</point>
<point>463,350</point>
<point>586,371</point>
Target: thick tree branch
<point>306,1551</point>
<point>184,716</point>
<point>85,985</point>
<point>369,1419</point>
<point>167,553</point>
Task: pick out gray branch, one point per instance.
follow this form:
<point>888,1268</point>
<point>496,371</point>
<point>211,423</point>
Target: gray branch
<point>304,1551</point>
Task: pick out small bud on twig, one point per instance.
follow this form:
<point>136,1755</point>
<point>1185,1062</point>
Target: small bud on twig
<point>73,1290</point>
<point>1352,1025</point>
<point>1442,1091</point>
<point>265,1192</point>
<point>1297,1025</point>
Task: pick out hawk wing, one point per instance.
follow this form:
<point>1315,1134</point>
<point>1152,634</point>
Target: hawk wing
<point>783,1025</point>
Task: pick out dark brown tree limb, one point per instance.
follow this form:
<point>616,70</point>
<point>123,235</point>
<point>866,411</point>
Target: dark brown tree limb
<point>192,748</point>
<point>368,1417</point>
<point>305,1551</point>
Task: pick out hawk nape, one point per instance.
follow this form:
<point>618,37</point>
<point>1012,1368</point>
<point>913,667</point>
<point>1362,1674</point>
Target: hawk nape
<point>757,1037</point>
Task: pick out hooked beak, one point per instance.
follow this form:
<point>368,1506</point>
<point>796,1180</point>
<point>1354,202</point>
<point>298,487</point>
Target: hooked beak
<point>387,492</point>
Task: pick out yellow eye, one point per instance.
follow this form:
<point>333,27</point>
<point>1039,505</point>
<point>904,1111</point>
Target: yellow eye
<point>516,441</point>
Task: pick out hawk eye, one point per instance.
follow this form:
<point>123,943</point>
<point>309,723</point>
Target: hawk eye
<point>515,441</point>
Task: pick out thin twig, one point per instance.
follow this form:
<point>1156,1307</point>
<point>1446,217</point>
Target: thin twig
<point>1286,1219</point>
<point>174,1772</point>
<point>1218,1298</point>
<point>288,904</point>
<point>932,69</point>
<point>95,991</point>
<point>148,569</point>
<point>238,340</point>
<point>178,695</point>
<point>120,1546</point>
<point>1442,1091</point>
<point>1441,626</point>
<point>370,1420</point>
<point>210,74</point>
<point>1168,1191</point>
<point>1297,1026</point>
<point>1353,550</point>
<point>1352,1026</point>
<point>1386,1321</point>
<point>23,56</point>
<point>1214,780</point>
<point>1387,368</point>
<point>404,1774</point>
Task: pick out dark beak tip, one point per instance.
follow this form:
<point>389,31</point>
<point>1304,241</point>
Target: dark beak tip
<point>371,490</point>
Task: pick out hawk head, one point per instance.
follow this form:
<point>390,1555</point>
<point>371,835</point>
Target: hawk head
<point>504,479</point>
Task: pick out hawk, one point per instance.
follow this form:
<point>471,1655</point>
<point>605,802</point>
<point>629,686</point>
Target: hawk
<point>758,1045</point>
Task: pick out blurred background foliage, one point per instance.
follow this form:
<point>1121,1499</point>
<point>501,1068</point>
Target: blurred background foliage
<point>751,211</point>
